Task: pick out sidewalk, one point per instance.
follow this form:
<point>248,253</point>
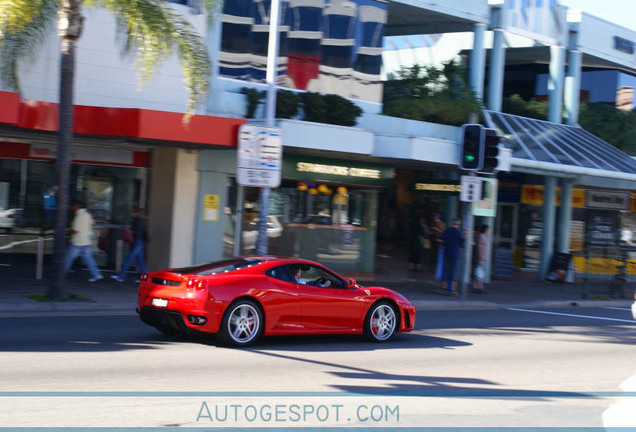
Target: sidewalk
<point>17,282</point>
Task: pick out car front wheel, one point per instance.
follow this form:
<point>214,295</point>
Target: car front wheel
<point>381,322</point>
<point>242,323</point>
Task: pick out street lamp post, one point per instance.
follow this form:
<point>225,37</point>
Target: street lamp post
<point>270,112</point>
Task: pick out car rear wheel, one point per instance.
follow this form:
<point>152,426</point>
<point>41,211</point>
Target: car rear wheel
<point>381,322</point>
<point>242,323</point>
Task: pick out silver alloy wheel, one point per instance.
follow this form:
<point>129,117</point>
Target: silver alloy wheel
<point>243,323</point>
<point>382,322</point>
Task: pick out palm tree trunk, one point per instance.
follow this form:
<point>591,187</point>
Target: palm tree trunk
<point>69,28</point>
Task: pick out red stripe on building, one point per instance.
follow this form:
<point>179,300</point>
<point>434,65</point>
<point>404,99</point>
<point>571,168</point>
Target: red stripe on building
<point>124,122</point>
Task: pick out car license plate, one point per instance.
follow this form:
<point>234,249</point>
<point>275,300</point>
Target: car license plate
<point>159,302</point>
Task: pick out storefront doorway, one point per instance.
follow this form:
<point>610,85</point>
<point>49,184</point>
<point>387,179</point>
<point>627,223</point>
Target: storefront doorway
<point>506,225</point>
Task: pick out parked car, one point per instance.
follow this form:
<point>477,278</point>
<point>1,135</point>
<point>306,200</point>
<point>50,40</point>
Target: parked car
<point>241,298</point>
<point>250,235</point>
<point>10,218</point>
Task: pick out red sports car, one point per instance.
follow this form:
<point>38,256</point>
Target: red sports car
<point>241,298</point>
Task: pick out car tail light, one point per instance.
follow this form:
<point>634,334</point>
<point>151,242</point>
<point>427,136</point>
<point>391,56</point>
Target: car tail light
<point>195,283</point>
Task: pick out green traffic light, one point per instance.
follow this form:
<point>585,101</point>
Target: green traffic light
<point>469,158</point>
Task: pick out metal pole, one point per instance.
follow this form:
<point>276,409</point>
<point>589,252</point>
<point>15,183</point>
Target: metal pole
<point>238,222</point>
<point>119,246</point>
<point>467,223</point>
<point>270,111</point>
<point>39,259</point>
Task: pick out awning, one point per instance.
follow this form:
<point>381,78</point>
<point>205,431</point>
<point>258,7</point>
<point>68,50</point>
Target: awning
<point>559,148</point>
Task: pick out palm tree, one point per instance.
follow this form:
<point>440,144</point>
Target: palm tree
<point>155,31</point>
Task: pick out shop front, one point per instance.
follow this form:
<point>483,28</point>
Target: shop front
<point>324,210</point>
<point>602,228</point>
<point>109,181</point>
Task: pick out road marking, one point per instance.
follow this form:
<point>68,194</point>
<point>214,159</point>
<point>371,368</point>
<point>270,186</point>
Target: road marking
<point>571,315</point>
<point>617,308</point>
<point>64,314</point>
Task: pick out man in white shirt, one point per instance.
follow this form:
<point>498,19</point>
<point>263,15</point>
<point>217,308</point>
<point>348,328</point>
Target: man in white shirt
<point>81,241</point>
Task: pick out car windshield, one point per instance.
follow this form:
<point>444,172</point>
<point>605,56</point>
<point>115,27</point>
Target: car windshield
<point>216,267</point>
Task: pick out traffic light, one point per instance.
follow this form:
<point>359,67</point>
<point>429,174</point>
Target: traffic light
<point>491,151</point>
<point>472,147</point>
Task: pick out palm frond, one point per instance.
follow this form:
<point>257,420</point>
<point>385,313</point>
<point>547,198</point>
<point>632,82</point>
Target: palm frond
<point>24,25</point>
<point>155,32</point>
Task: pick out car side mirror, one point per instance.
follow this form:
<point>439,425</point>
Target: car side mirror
<point>351,282</point>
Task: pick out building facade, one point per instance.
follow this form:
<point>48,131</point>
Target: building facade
<point>347,192</point>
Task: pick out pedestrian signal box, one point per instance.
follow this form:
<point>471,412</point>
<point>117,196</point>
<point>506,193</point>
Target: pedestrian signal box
<point>471,157</point>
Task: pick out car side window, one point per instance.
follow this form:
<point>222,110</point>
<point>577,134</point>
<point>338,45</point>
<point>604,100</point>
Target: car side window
<point>281,273</point>
<point>314,276</point>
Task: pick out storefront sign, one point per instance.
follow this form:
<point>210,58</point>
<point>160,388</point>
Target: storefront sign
<point>437,188</point>
<point>95,155</point>
<point>577,235</point>
<point>601,234</point>
<point>533,194</point>
<point>306,168</point>
<point>211,208</point>
<point>338,170</point>
<point>608,200</point>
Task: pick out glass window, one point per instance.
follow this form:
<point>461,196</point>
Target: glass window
<point>314,276</point>
<point>280,273</point>
<point>331,224</point>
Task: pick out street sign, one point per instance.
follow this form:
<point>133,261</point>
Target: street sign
<point>471,189</point>
<point>260,153</point>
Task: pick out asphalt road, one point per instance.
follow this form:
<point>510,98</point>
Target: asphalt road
<point>482,368</point>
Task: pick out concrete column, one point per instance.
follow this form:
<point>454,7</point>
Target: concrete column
<point>478,60</point>
<point>172,207</point>
<point>549,213</point>
<point>573,87</point>
<point>497,65</point>
<point>555,83</point>
<point>565,216</point>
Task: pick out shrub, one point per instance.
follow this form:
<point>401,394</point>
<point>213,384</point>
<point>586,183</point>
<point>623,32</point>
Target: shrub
<point>315,107</point>
<point>254,99</point>
<point>439,95</point>
<point>341,111</point>
<point>287,104</point>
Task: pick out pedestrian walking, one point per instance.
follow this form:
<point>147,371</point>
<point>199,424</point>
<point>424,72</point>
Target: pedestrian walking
<point>417,232</point>
<point>49,205</point>
<point>140,237</point>
<point>81,242</point>
<point>453,241</point>
<point>479,274</point>
<point>435,230</point>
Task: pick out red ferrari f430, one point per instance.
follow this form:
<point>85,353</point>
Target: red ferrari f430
<point>242,298</point>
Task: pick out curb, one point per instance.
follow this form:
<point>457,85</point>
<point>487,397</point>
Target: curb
<point>128,308</point>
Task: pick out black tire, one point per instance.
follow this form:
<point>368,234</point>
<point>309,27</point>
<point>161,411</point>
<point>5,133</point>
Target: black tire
<point>242,323</point>
<point>381,322</point>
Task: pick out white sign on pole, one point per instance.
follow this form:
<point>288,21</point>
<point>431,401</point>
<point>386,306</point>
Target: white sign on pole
<point>260,154</point>
<point>486,206</point>
<point>471,189</point>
